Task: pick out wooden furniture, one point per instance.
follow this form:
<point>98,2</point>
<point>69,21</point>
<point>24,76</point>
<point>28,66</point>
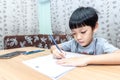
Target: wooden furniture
<point>38,40</point>
<point>95,72</point>
<point>14,69</point>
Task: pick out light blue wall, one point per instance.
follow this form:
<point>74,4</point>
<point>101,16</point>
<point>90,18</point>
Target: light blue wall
<point>44,18</point>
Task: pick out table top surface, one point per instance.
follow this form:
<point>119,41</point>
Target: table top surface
<point>14,69</point>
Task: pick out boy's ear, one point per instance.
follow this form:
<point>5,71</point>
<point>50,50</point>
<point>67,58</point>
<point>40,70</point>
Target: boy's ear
<point>96,27</point>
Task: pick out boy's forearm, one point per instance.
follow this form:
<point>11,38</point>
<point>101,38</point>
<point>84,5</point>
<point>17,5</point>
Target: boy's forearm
<point>112,58</point>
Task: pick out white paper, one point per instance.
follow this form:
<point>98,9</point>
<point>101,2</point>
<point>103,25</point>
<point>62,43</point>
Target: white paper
<point>48,66</point>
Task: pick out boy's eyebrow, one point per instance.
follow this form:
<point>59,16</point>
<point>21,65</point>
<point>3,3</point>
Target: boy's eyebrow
<point>84,30</point>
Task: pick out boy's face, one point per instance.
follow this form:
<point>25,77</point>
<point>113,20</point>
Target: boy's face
<point>83,35</point>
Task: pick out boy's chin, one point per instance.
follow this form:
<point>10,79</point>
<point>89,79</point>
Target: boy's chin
<point>83,45</point>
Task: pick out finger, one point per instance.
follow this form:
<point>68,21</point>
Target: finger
<point>67,64</point>
<point>58,56</point>
<point>63,63</point>
<point>62,55</point>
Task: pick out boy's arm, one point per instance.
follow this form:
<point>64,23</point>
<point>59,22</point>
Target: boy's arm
<point>56,53</point>
<point>112,58</point>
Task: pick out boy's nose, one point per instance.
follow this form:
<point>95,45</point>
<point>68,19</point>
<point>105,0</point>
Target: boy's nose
<point>78,36</point>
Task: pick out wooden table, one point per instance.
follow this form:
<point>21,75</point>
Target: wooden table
<point>14,69</point>
<point>98,72</point>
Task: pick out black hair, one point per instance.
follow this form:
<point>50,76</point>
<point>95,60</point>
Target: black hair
<point>83,16</point>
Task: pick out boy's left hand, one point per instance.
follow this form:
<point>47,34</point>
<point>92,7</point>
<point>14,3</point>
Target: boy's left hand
<point>74,61</point>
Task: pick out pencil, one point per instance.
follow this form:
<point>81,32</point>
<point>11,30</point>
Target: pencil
<point>53,40</point>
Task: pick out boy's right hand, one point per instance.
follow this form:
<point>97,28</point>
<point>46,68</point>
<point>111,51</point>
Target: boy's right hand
<point>57,54</point>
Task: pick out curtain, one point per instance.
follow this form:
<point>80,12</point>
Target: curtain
<point>44,17</point>
<point>109,18</point>
<point>18,17</point>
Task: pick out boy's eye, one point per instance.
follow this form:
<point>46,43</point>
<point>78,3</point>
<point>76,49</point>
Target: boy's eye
<point>73,34</point>
<point>83,32</point>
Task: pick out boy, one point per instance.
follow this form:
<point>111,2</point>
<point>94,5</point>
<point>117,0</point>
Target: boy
<point>83,24</point>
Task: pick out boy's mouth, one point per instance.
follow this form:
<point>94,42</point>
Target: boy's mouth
<point>80,42</point>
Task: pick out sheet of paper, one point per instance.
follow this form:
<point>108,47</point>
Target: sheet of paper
<point>48,66</point>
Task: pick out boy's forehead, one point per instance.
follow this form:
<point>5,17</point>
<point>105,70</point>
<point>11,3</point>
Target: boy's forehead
<point>82,28</point>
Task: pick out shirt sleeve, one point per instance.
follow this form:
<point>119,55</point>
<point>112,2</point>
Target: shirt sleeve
<point>108,48</point>
<point>66,46</point>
